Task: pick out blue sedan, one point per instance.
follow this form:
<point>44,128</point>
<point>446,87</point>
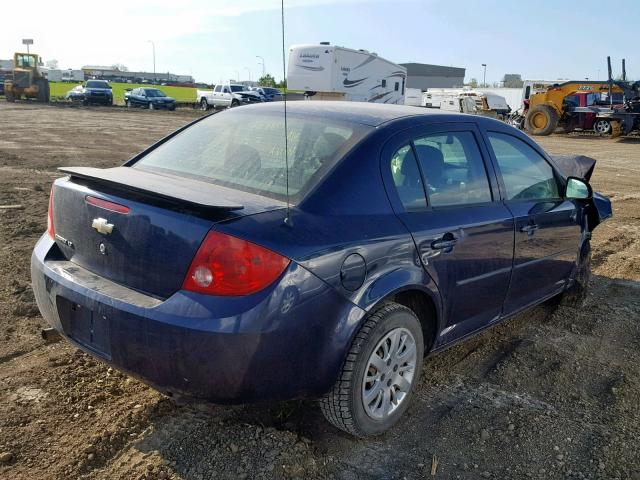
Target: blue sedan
<point>217,265</point>
<point>151,98</point>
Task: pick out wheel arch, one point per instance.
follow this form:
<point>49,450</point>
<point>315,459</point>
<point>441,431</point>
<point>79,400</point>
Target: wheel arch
<point>422,298</point>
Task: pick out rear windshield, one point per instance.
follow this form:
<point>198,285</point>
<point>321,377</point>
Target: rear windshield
<point>152,92</point>
<point>245,150</point>
<point>94,84</point>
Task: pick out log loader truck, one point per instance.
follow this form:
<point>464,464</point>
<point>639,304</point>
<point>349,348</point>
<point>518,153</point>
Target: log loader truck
<point>549,110</point>
<point>26,79</point>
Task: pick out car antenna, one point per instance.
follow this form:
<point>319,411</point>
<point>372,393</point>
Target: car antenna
<point>287,218</point>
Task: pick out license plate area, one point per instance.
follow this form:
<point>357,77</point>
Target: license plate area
<point>85,326</point>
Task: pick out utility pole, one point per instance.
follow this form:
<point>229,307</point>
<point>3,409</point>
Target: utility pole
<point>484,78</point>
<point>153,46</point>
<point>262,62</point>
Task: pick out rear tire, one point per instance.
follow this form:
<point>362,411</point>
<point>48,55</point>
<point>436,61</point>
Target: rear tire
<point>602,127</point>
<point>376,383</point>
<point>541,120</point>
<point>151,107</point>
<point>43,94</point>
<point>127,103</point>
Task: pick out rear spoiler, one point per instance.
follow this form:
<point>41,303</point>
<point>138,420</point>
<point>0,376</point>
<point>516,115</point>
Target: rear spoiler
<point>190,193</point>
<point>575,165</point>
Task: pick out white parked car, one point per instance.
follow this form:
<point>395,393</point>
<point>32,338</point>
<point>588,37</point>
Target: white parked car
<point>226,96</point>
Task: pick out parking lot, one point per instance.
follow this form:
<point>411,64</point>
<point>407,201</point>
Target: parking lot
<point>549,394</point>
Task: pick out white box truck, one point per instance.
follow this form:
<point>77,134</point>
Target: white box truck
<point>327,72</point>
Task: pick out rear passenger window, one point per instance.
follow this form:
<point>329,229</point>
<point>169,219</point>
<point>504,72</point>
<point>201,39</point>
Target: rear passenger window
<point>525,173</point>
<point>453,168</point>
<point>407,179</point>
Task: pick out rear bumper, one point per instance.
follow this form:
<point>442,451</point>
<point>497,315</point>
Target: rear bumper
<point>287,341</point>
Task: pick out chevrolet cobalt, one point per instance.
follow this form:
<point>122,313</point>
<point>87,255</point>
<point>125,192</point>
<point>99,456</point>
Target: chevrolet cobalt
<point>242,258</point>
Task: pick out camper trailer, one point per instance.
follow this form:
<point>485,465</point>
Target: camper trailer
<point>328,72</point>
<point>73,75</point>
<point>466,101</point>
<point>413,97</point>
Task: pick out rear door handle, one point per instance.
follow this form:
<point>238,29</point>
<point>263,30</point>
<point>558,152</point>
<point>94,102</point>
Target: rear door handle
<point>529,229</point>
<point>444,243</point>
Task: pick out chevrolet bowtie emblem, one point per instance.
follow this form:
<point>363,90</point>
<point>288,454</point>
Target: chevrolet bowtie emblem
<point>102,226</point>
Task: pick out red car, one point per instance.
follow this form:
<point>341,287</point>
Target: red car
<point>587,120</point>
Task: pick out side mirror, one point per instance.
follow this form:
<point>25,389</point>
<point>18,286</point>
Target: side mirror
<point>578,189</point>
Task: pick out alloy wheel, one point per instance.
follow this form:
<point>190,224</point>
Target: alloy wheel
<point>389,374</point>
<point>602,127</point>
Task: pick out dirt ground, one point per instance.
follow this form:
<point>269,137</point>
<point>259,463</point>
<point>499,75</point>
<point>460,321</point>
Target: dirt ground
<point>549,394</point>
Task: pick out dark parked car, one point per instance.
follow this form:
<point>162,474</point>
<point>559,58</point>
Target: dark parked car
<point>97,92</point>
<point>151,98</point>
<point>268,94</point>
<point>205,269</point>
<point>1,84</point>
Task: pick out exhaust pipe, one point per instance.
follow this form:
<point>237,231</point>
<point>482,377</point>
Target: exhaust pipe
<point>50,335</point>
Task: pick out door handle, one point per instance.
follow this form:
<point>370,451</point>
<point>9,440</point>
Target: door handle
<point>529,229</point>
<point>446,243</point>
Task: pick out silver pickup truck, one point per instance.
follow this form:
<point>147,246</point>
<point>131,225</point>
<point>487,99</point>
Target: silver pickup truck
<point>224,96</point>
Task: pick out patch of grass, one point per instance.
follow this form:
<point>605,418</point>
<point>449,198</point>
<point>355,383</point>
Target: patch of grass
<point>182,94</point>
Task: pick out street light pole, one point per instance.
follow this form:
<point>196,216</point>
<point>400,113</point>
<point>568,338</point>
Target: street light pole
<point>248,70</point>
<point>153,46</point>
<point>484,78</point>
<point>237,76</point>
<point>262,62</point>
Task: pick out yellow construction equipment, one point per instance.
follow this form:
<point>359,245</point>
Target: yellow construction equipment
<point>550,109</point>
<point>547,108</point>
<point>26,79</point>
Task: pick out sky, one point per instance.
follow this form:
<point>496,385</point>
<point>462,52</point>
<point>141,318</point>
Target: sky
<point>218,40</point>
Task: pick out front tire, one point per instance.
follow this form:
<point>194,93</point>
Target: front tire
<point>541,120</point>
<point>382,366</point>
<point>204,105</point>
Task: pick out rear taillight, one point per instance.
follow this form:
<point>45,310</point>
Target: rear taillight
<point>50,228</point>
<point>227,265</point>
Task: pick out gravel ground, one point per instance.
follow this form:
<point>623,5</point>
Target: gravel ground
<point>553,393</point>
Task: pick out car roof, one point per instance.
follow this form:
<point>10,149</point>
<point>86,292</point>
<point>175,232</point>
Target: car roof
<point>371,114</point>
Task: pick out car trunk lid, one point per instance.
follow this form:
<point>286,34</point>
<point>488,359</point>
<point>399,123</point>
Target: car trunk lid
<point>141,229</point>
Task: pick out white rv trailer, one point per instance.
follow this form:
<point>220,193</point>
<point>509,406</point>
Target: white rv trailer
<point>328,72</point>
<point>72,75</point>
<point>413,97</point>
<point>487,103</point>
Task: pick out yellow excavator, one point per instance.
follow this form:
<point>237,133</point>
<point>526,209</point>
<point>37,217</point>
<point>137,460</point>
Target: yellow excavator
<point>547,110</point>
<point>26,79</point>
